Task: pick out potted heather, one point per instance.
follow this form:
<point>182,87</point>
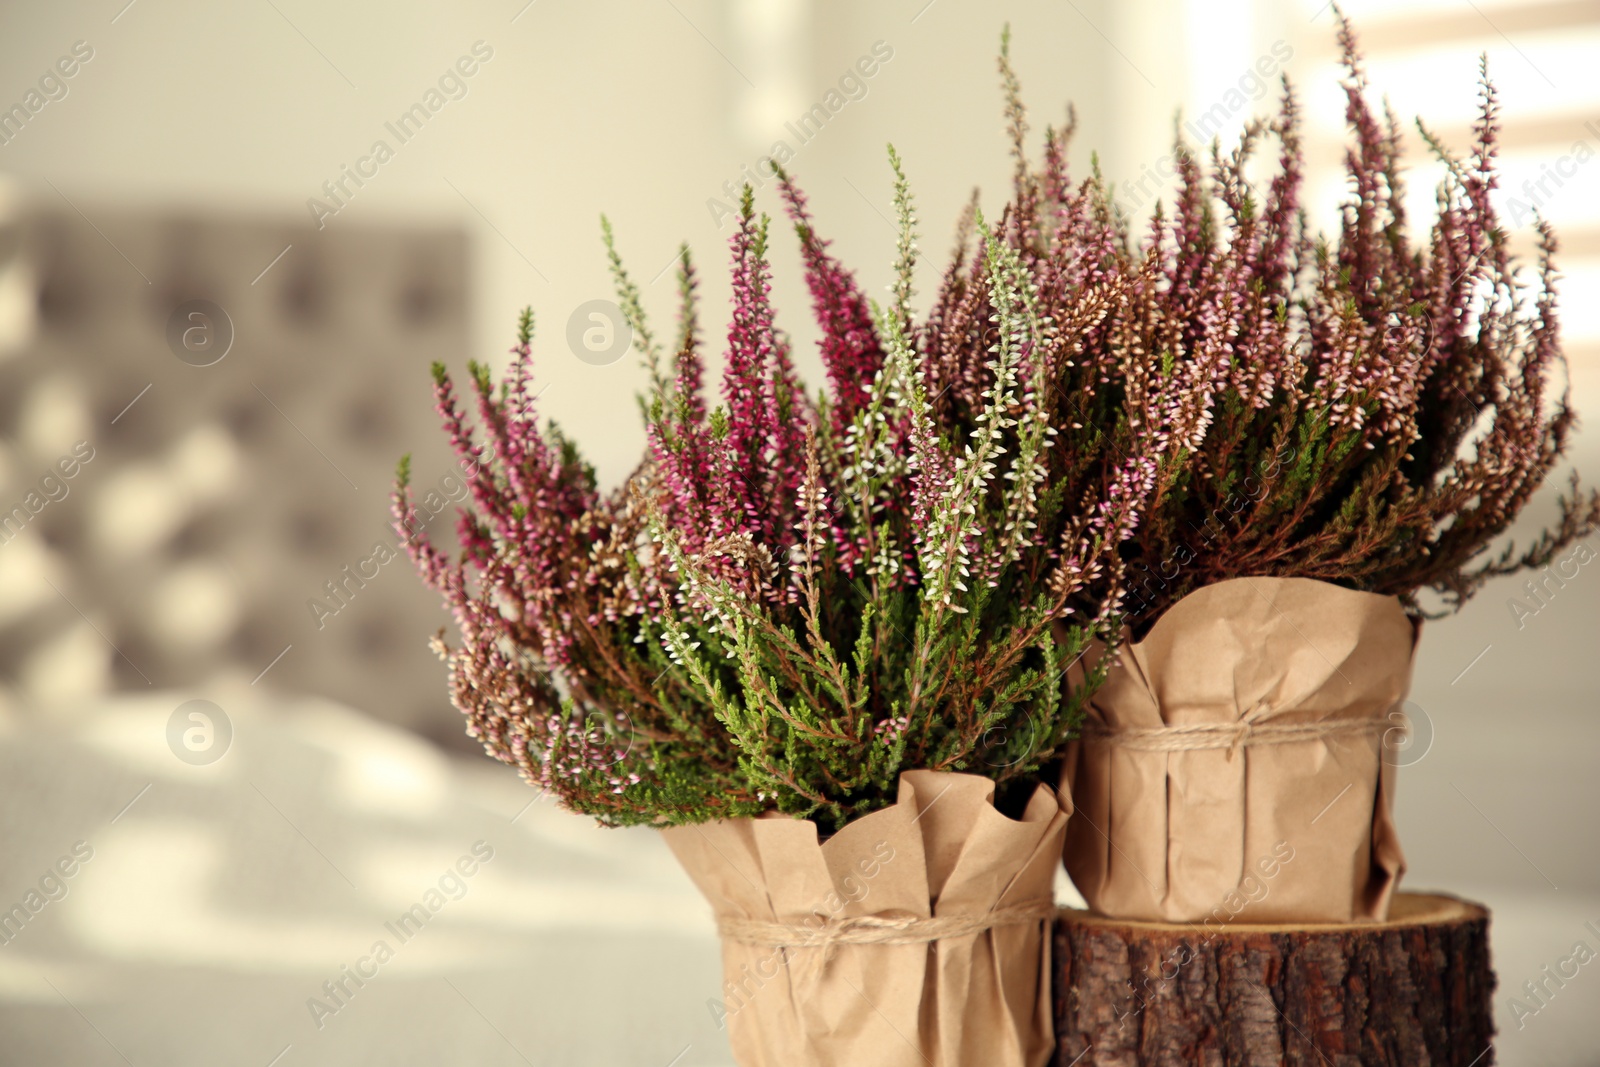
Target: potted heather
<point>822,642</point>
<point>833,646</point>
<point>1370,415</point>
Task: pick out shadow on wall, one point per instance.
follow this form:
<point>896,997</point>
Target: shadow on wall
<point>198,431</point>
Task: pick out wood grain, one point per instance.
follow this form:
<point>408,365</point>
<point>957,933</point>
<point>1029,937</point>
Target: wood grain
<point>1410,992</point>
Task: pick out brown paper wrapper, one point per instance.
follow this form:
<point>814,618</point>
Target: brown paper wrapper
<point>941,851</point>
<point>1256,828</point>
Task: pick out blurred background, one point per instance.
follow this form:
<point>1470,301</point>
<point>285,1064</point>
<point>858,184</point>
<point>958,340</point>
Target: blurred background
<point>232,238</point>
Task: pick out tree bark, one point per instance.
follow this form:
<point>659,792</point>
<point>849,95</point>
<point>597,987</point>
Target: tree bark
<point>1410,992</point>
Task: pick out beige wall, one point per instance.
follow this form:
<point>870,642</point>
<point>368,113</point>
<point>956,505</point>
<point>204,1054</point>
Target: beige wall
<point>640,110</point>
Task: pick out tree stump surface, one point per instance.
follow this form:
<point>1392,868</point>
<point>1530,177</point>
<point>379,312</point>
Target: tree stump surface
<point>1413,991</point>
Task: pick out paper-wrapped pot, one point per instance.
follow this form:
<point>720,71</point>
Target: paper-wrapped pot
<point>1231,767</point>
<point>916,936</point>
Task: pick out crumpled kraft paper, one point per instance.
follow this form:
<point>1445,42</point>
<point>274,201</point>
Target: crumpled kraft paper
<point>1299,830</point>
<point>942,850</point>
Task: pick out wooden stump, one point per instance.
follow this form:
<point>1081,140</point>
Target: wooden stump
<point>1411,992</point>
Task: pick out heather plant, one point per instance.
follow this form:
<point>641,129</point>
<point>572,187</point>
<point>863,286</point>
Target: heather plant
<point>794,598</point>
<point>1360,410</point>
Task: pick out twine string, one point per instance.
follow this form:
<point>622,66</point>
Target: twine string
<point>1196,737</point>
<point>876,929</point>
